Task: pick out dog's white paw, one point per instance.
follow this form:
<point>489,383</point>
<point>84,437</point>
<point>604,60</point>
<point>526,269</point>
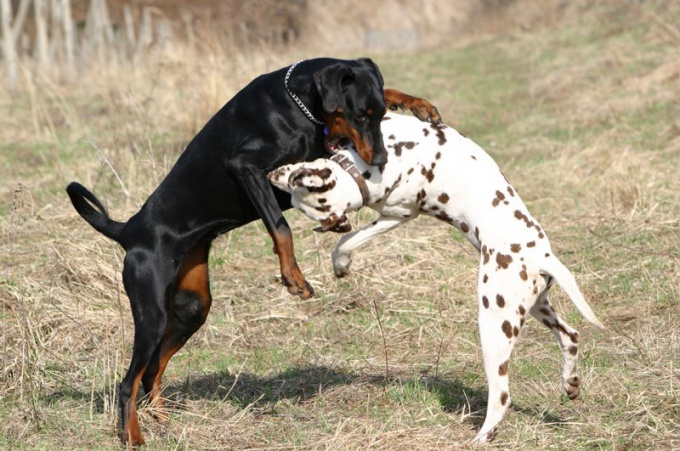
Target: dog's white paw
<point>341,264</point>
<point>485,437</point>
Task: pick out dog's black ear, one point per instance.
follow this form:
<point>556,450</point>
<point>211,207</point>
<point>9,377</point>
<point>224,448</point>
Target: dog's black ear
<point>374,67</point>
<point>331,82</point>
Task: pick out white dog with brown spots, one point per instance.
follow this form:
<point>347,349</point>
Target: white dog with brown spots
<point>433,169</point>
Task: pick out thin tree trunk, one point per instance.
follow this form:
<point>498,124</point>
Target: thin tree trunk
<point>40,7</point>
<point>8,48</point>
<point>20,19</point>
<point>69,39</point>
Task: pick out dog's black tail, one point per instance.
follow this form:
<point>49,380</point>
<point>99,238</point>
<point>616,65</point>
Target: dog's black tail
<point>83,200</point>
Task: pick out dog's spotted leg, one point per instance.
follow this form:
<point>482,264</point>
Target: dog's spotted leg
<point>342,254</point>
<point>502,309</point>
<point>567,337</point>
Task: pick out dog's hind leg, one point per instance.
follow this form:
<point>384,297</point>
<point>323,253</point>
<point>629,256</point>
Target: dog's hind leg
<point>503,303</point>
<point>567,338</point>
<point>188,310</point>
<point>146,285</point>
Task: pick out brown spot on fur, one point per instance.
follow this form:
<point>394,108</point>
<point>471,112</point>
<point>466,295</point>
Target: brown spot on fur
<point>529,223</point>
<point>473,157</point>
<point>444,217</point>
<point>428,173</point>
<point>391,137</point>
<point>398,147</point>
<point>438,155</point>
<point>515,247</point>
<point>507,328</point>
<point>477,233</point>
<point>464,227</point>
<point>511,191</point>
<point>410,171</point>
<point>504,397</point>
<point>421,195</point>
<point>485,278</point>
<point>443,198</point>
<point>522,310</point>
<point>485,253</point>
<point>523,275</point>
<point>500,300</point>
<point>574,337</point>
<point>515,331</point>
<point>426,132</point>
<point>547,255</point>
<point>531,244</point>
<point>573,350</point>
<point>439,128</point>
<point>503,260</point>
<point>498,199</point>
<point>503,368</point>
<point>485,301</point>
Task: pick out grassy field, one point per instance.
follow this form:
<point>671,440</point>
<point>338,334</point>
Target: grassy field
<point>583,117</point>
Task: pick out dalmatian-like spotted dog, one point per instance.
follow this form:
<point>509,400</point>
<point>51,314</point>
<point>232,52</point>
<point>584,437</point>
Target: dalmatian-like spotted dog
<point>433,169</point>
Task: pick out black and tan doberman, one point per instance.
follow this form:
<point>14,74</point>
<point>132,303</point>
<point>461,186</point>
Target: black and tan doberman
<point>219,183</point>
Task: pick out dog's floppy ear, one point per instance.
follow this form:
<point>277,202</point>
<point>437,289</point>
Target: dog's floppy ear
<point>331,82</point>
<point>295,178</point>
<point>374,67</point>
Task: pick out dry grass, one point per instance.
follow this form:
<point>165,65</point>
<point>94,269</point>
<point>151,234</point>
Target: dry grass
<point>580,113</point>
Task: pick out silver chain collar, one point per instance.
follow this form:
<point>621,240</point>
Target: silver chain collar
<point>302,106</point>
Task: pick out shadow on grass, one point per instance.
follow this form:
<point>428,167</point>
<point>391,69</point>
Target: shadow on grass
<point>303,383</point>
<point>307,382</point>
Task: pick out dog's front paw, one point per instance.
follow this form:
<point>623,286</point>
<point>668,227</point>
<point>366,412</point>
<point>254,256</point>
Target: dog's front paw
<point>298,286</point>
<point>304,290</point>
<point>341,264</point>
<point>573,387</point>
<point>425,111</point>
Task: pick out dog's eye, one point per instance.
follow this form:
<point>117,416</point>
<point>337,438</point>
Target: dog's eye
<point>360,117</point>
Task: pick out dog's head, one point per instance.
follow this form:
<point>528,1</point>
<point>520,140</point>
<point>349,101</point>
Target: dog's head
<point>353,101</point>
<point>322,190</point>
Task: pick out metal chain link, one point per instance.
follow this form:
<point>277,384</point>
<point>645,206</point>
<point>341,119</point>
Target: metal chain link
<point>302,106</point>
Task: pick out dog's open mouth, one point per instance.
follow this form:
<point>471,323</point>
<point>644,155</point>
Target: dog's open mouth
<point>337,142</point>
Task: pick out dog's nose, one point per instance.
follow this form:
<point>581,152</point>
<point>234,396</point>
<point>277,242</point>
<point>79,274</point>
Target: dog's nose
<point>379,159</point>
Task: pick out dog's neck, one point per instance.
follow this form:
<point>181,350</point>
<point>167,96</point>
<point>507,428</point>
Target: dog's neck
<point>373,176</point>
<point>347,164</point>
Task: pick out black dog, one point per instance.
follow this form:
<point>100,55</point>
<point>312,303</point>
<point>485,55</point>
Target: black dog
<point>219,183</point>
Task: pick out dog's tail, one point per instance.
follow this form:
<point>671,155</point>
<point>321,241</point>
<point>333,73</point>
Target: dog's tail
<point>565,278</point>
<point>83,200</point>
